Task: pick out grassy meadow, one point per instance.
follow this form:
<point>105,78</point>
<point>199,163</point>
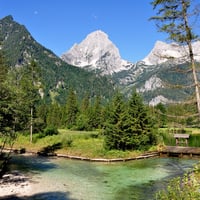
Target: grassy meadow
<point>77,143</point>
<point>91,143</point>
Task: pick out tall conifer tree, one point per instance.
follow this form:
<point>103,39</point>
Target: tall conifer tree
<point>112,130</point>
<point>175,17</point>
<point>138,128</point>
<point>71,109</point>
<point>7,116</point>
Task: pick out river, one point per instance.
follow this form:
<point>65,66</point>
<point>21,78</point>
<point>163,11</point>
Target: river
<point>65,179</point>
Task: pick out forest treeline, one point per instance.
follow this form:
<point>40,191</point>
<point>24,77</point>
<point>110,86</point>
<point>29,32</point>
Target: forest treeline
<point>23,109</point>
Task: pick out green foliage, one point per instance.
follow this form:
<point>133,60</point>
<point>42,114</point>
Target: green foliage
<point>71,109</point>
<point>185,188</point>
<point>90,114</point>
<point>77,143</point>
<point>176,18</point>
<point>29,84</point>
<point>173,18</point>
<point>56,76</point>
<point>95,114</point>
<point>53,116</point>
<point>160,110</point>
<point>138,123</point>
<point>67,141</point>
<point>82,122</point>
<point>194,140</point>
<point>8,116</point>
<point>111,130</point>
<point>6,113</point>
<point>42,111</point>
<point>129,125</point>
<point>51,130</point>
<point>167,138</point>
<point>83,118</point>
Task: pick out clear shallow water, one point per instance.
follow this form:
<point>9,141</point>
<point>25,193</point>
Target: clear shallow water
<point>64,179</point>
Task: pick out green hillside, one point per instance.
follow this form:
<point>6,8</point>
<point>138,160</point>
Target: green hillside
<point>20,49</point>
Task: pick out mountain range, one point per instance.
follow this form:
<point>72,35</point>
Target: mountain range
<point>150,76</point>
<point>95,66</point>
<point>20,48</point>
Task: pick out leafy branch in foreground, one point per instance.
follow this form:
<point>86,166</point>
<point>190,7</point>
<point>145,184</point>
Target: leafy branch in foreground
<point>184,188</point>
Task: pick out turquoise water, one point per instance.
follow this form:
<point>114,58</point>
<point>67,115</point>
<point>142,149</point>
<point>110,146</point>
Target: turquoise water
<point>64,179</point>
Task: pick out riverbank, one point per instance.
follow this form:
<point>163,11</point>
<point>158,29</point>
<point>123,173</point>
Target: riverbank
<point>148,154</point>
<point>15,184</point>
<point>87,144</point>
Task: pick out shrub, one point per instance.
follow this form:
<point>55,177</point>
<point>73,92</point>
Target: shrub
<point>51,130</point>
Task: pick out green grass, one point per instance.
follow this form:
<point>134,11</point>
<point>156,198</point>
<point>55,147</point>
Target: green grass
<point>91,143</point>
<point>77,143</point>
<point>167,138</point>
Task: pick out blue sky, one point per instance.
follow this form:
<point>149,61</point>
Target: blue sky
<point>58,24</point>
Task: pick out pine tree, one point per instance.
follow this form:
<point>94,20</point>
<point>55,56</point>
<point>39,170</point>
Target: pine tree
<point>114,113</point>
<point>83,118</point>
<point>30,85</point>
<point>7,116</point>
<point>175,17</point>
<point>71,109</point>
<point>85,104</point>
<point>138,128</point>
<point>129,125</point>
<point>54,115</point>
<point>160,111</point>
<point>95,115</point>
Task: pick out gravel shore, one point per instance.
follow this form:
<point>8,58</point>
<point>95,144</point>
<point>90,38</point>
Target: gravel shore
<point>15,184</point>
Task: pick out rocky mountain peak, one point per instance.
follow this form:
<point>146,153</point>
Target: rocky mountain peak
<point>163,52</point>
<point>96,52</point>
<point>97,35</point>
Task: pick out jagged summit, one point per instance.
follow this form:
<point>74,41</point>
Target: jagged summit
<point>163,52</point>
<point>96,52</point>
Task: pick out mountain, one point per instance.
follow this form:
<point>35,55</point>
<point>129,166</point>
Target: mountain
<point>163,52</point>
<point>96,52</point>
<point>95,66</point>
<point>153,77</point>
<point>20,48</point>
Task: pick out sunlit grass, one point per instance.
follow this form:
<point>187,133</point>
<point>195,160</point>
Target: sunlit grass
<point>88,144</point>
<point>169,140</point>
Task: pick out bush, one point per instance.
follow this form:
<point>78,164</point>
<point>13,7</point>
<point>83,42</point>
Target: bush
<point>39,125</point>
<point>48,131</point>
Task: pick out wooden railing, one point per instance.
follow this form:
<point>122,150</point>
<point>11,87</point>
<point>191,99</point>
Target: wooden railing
<point>181,139</point>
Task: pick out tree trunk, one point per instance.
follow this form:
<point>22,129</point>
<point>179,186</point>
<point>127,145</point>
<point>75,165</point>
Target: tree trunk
<point>196,84</point>
<point>191,54</point>
<point>31,125</point>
